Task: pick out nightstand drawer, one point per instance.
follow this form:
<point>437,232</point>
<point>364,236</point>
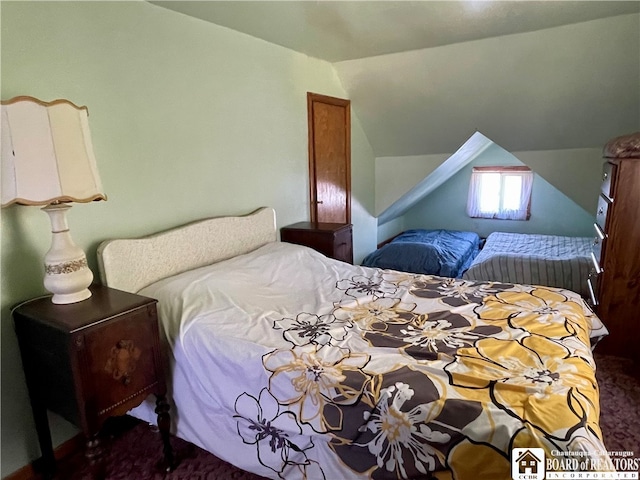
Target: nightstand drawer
<point>343,245</point>
<point>120,361</point>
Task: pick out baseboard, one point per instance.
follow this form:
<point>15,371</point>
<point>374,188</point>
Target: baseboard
<point>70,447</point>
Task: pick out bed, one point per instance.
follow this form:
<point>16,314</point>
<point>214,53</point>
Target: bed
<point>447,253</point>
<point>555,261</point>
<point>292,365</point>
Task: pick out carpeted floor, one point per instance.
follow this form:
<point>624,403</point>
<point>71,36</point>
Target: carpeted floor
<point>135,449</point>
<point>619,382</point>
<point>134,452</point>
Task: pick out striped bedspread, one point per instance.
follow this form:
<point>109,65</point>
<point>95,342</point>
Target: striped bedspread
<point>550,260</point>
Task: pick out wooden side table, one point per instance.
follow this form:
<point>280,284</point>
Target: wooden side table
<point>90,360</point>
<point>334,240</point>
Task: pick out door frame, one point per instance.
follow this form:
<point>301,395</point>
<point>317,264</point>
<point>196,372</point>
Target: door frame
<point>313,193</point>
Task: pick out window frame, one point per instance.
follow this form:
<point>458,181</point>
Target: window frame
<point>502,170</point>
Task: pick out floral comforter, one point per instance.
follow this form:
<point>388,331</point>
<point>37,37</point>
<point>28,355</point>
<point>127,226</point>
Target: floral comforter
<point>292,365</point>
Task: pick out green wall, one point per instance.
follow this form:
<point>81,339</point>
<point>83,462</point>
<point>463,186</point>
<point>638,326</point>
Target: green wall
<point>188,120</point>
<point>552,212</point>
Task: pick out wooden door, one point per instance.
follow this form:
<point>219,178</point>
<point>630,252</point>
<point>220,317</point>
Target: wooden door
<point>329,158</point>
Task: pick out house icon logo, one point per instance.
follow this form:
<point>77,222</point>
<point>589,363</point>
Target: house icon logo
<point>527,464</point>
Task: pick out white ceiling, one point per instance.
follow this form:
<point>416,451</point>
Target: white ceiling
<point>347,30</point>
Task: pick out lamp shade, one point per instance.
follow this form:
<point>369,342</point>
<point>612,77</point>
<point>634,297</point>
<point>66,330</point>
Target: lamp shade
<point>47,154</point>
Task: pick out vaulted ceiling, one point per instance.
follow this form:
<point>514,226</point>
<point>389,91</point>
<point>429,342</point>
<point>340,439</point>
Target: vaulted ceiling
<point>348,30</point>
<point>424,76</point>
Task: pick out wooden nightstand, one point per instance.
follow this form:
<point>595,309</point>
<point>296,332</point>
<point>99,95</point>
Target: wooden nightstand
<point>91,360</point>
<point>331,239</point>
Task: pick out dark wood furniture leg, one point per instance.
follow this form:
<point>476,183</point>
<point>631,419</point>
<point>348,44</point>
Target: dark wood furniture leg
<point>46,464</point>
<point>94,453</point>
<point>164,425</point>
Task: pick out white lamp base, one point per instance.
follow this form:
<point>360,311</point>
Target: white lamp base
<point>67,274</point>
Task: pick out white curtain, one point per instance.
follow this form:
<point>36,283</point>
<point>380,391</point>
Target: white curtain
<point>477,208</point>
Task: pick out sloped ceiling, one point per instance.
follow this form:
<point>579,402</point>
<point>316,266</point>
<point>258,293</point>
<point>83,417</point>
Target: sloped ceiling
<point>470,150</point>
<point>573,86</point>
<point>346,30</point>
<point>423,76</point>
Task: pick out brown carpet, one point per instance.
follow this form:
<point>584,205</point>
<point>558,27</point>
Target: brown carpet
<point>135,448</point>
<point>619,382</point>
<point>134,452</point>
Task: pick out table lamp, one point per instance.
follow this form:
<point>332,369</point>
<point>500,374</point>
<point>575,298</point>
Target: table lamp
<point>48,159</point>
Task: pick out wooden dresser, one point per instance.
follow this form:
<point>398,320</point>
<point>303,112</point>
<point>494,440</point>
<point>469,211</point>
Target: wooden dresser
<point>614,281</point>
<point>334,240</point>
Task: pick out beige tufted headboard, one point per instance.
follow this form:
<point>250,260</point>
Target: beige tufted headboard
<point>132,264</point>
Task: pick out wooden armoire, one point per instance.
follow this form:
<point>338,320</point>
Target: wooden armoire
<point>615,279</point>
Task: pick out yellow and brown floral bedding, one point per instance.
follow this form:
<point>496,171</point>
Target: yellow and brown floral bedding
<point>292,365</point>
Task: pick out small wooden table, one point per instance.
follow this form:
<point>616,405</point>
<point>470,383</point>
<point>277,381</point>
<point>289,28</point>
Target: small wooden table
<point>334,240</point>
<point>90,360</point>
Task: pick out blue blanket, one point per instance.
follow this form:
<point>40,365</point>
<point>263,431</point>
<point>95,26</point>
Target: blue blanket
<point>447,253</point>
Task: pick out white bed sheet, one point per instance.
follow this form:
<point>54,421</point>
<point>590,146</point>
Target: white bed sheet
<point>209,310</point>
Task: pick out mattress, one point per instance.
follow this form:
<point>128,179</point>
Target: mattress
<point>447,253</point>
<point>291,365</point>
<point>555,261</point>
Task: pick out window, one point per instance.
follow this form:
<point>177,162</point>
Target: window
<point>500,192</point>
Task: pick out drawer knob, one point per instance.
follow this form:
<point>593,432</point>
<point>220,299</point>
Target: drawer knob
<point>122,361</point>
<point>605,175</point>
<point>600,211</point>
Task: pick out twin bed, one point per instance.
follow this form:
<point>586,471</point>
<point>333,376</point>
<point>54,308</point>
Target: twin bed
<point>555,261</point>
<point>292,365</point>
<point>447,253</point>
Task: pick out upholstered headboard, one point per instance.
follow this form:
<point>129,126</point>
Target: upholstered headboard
<point>132,264</point>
